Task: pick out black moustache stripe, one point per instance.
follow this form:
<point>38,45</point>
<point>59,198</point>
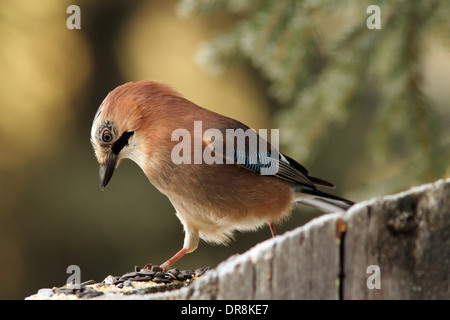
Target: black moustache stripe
<point>121,142</point>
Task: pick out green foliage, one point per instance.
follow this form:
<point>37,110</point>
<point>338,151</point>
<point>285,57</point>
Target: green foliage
<point>320,84</point>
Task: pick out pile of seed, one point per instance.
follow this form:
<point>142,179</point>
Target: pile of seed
<point>150,279</point>
<point>81,291</point>
<point>155,274</point>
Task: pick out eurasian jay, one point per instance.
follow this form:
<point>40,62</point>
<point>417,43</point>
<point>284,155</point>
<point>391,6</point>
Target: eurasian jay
<point>145,121</point>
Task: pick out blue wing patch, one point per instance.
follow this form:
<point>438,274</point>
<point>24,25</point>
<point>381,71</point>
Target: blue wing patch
<point>256,161</point>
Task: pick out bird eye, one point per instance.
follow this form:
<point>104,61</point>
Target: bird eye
<point>107,136</point>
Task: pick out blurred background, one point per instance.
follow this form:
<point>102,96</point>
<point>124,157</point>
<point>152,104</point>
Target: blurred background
<point>366,109</point>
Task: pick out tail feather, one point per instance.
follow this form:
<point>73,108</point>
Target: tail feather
<point>321,200</point>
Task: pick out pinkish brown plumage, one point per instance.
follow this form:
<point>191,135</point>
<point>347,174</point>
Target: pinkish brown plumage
<point>136,121</point>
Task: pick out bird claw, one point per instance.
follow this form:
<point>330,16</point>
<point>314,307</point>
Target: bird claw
<point>155,268</point>
<point>148,266</point>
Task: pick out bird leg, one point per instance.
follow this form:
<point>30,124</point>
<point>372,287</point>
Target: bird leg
<point>273,229</point>
<point>168,264</point>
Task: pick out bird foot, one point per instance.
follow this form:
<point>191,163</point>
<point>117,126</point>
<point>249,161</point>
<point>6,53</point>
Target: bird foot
<point>165,267</point>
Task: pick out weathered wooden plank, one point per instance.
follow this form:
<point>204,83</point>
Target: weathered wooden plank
<point>408,237</point>
<point>306,263</point>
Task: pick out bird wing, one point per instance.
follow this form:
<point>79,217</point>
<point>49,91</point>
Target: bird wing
<point>271,162</point>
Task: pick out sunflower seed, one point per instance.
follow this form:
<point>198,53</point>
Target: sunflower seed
<point>201,271</point>
<point>171,276</point>
<point>180,277</point>
<point>129,275</point>
<point>109,280</point>
<point>161,280</point>
<point>147,272</point>
<point>186,275</point>
<point>127,283</point>
<point>141,278</point>
<point>174,271</point>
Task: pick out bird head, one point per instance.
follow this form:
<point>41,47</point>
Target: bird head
<point>133,122</point>
<point>111,143</point>
<point>115,131</point>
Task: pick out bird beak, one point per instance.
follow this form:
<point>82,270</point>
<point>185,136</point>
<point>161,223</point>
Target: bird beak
<point>106,170</point>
